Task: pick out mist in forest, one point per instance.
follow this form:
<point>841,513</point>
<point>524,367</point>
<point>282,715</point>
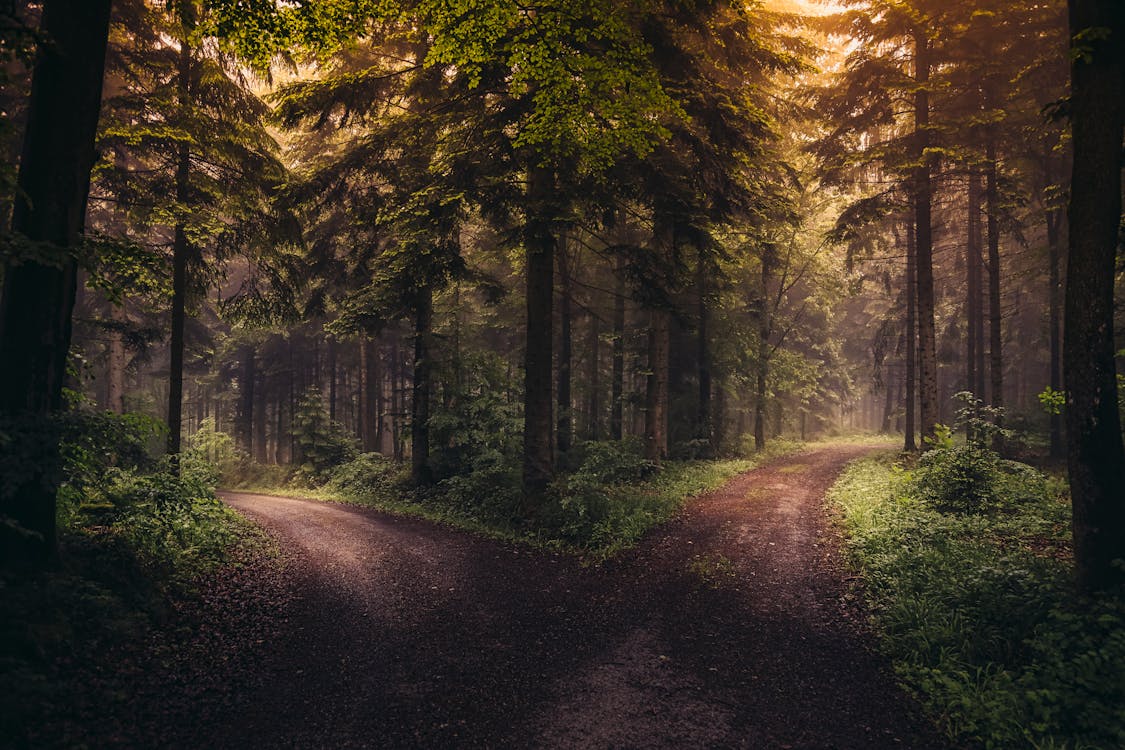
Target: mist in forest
<point>548,271</point>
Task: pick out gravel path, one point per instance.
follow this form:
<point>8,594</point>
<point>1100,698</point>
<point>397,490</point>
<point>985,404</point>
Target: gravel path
<point>726,628</point>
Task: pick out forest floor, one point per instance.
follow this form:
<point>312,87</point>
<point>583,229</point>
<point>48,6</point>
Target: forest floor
<point>730,626</point>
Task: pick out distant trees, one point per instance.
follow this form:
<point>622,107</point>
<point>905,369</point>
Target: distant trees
<point>938,111</point>
<point>192,160</point>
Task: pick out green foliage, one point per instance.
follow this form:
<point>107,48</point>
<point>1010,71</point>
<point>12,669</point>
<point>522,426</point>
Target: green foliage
<point>1051,400</point>
<point>91,442</point>
<point>212,451</point>
<point>979,614</point>
<point>480,425</point>
<point>321,442</point>
<point>133,537</point>
<point>616,496</point>
<point>972,477</point>
<point>368,475</point>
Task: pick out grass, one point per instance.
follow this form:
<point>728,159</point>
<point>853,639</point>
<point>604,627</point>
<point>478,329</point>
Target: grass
<point>979,616</point>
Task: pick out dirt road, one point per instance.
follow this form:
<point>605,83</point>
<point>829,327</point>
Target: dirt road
<point>724,629</point>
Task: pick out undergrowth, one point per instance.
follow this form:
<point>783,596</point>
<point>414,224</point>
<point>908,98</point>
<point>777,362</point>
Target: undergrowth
<point>133,539</point>
<point>965,564</point>
<point>604,505</point>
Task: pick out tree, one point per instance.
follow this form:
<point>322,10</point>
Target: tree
<point>1095,457</point>
<point>193,159</point>
<point>50,208</point>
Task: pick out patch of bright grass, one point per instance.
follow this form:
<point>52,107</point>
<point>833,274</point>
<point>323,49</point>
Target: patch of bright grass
<point>713,570</point>
<point>978,613</point>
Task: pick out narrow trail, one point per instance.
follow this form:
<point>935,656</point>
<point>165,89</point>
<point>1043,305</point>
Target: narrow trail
<point>725,628</point>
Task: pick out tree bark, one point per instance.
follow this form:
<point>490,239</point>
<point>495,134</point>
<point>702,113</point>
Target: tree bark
<point>50,206</point>
<point>656,392</point>
<point>1095,457</point>
<point>260,419</point>
<point>995,331</point>
<point>659,344</point>
<point>115,371</point>
<point>333,376</point>
<point>703,416</point>
<point>923,232</point>
<point>369,395</point>
<point>246,399</point>
<point>396,398</point>
<point>420,472</point>
<point>539,246</point>
<point>888,405</point>
<point>765,331</point>
<point>617,393</point>
<point>593,379</point>
<point>180,250</point>
<point>973,279</point>
<point>911,353</point>
<point>1054,315</point>
<point>564,422</point>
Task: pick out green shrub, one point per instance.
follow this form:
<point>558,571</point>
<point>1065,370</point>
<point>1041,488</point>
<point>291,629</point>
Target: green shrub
<point>489,491</point>
<point>972,477</point>
<point>321,443</point>
<point>480,431</point>
<point>979,614</point>
<point>368,474</point>
<point>613,462</point>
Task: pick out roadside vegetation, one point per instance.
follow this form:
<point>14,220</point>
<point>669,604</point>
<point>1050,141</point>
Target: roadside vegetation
<point>608,499</point>
<point>135,539</point>
<point>966,564</point>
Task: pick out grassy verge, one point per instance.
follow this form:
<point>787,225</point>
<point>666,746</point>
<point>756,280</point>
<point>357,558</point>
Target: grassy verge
<point>602,508</point>
<point>977,611</point>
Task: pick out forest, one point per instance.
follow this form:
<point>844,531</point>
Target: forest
<point>658,373</point>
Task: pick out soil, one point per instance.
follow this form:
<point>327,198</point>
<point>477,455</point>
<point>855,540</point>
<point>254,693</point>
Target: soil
<point>730,626</point>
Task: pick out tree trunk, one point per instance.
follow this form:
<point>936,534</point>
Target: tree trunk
<point>420,472</point>
<point>1054,303</point>
<point>115,372</point>
<point>924,251</point>
<point>656,392</point>
<point>703,416</point>
<point>260,436</point>
<point>593,380</point>
<point>911,354</point>
<point>888,404</point>
<point>396,398</point>
<point>995,342</point>
<point>617,394</point>
<point>38,299</point>
<point>765,330</point>
<point>1095,456</point>
<point>332,376</point>
<point>973,279</point>
<point>719,417</point>
<point>246,400</point>
<point>369,395</point>
<point>180,250</point>
<point>380,400</point>
<point>539,245</point>
<point>659,344</point>
<point>564,423</point>
<point>279,413</point>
